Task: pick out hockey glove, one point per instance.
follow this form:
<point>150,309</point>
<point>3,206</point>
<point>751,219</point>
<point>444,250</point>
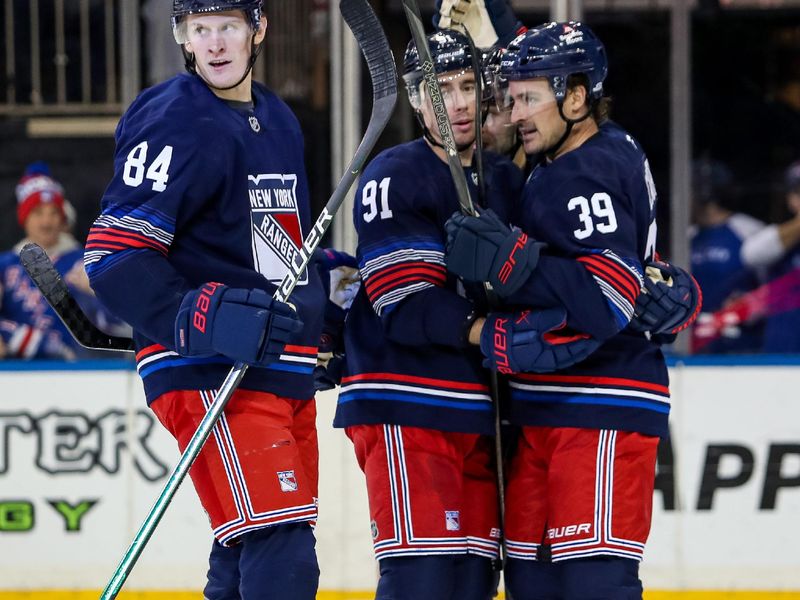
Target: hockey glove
<point>245,325</point>
<point>488,22</point>
<point>330,358</point>
<point>340,275</point>
<point>483,248</point>
<point>670,302</point>
<point>530,342</point>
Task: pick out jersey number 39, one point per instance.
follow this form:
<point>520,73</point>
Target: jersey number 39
<point>595,214</point>
<point>134,172</point>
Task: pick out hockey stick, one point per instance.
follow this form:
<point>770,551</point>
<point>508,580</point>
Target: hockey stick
<point>464,199</point>
<point>44,274</point>
<point>372,40</point>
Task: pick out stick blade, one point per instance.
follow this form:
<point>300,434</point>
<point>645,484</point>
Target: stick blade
<point>44,274</point>
<point>369,34</point>
<point>41,270</point>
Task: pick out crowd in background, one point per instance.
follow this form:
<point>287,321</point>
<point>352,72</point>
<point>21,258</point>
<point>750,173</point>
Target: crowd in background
<point>29,328</point>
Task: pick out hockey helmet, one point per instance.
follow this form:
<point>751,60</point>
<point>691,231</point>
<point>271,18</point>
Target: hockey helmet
<point>556,51</point>
<point>450,51</point>
<point>490,69</point>
<point>252,9</point>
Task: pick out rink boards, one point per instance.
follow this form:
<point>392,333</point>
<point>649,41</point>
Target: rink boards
<point>82,459</point>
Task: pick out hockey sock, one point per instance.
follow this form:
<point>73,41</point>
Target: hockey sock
<point>475,578</point>
<point>603,577</point>
<point>532,580</point>
<point>223,572</point>
<point>415,577</point>
<point>279,562</point>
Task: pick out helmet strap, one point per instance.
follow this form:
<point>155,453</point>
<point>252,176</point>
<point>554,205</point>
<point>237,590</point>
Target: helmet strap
<point>570,124</point>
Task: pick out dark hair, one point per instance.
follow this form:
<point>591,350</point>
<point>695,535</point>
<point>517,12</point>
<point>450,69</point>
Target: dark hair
<point>601,108</point>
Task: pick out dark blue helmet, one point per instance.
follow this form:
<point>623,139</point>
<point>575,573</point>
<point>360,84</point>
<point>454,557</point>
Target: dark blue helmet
<point>556,51</point>
<point>490,69</point>
<point>450,51</point>
<point>182,8</point>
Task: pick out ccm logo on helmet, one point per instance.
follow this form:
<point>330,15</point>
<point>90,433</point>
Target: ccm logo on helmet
<point>511,262</point>
<point>202,305</point>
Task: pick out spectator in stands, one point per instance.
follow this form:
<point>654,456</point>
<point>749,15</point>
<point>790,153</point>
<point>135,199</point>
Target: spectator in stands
<point>28,326</point>
<point>723,264</point>
<point>777,247</point>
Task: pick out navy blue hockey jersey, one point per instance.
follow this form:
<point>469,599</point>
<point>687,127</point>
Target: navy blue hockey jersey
<point>204,191</point>
<point>595,208</point>
<point>407,361</point>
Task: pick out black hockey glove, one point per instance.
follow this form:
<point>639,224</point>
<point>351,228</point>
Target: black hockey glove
<point>670,301</point>
<point>530,342</point>
<point>245,325</point>
<point>483,248</point>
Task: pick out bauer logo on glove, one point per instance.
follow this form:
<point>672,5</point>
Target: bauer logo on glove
<point>533,342</point>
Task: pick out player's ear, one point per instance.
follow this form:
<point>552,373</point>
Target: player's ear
<point>576,99</point>
<point>262,30</point>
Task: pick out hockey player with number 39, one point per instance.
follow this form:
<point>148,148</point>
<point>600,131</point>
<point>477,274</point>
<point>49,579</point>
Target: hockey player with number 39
<point>580,482</point>
<point>206,210</point>
<point>414,398</point>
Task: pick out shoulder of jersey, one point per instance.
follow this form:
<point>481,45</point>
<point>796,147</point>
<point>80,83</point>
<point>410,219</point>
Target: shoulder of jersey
<point>410,160</point>
<point>181,104</point>
<point>500,163</point>
<point>612,148</point>
<point>281,116</point>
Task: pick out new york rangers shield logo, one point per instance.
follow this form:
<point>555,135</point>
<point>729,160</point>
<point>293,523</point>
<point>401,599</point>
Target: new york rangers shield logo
<point>287,481</point>
<point>276,232</point>
<point>452,520</point>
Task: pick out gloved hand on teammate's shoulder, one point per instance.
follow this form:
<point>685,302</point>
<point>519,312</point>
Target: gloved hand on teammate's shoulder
<point>483,248</point>
<point>532,342</point>
<point>342,280</point>
<point>488,22</point>
<point>246,325</point>
<point>340,275</point>
<point>670,301</point>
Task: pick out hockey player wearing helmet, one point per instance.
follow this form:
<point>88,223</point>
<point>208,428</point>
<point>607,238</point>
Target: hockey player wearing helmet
<point>414,399</point>
<point>188,249</point>
<point>581,478</point>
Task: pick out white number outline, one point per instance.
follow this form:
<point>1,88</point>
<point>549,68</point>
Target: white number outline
<point>368,200</point>
<point>133,173</point>
<point>600,208</point>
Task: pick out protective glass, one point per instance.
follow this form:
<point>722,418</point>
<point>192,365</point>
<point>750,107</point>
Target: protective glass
<point>531,94</point>
<point>450,85</point>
